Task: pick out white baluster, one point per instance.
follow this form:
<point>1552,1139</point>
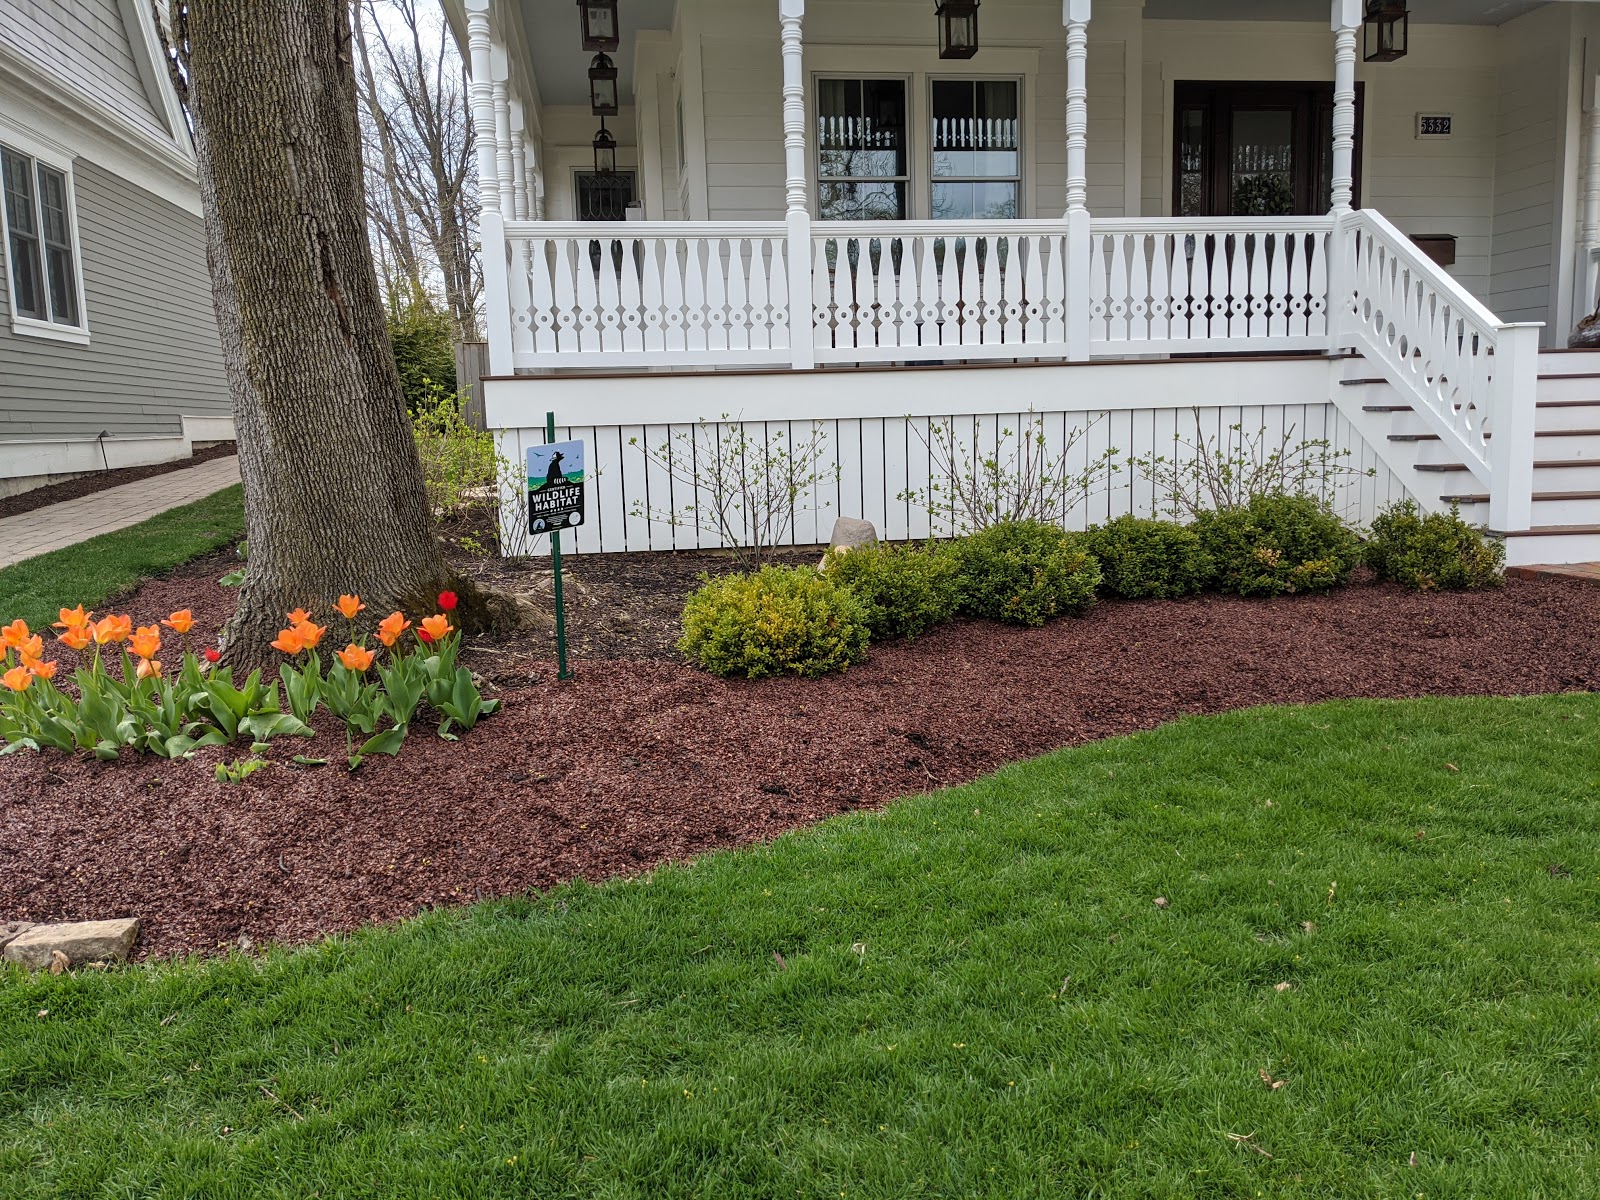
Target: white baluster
<point>675,324</point>
<point>632,300</point>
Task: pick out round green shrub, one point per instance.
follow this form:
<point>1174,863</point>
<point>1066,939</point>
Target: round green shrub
<point>1278,544</point>
<point>906,590</point>
<point>1433,551</point>
<point>1024,573</point>
<point>778,620</point>
<point>1141,558</point>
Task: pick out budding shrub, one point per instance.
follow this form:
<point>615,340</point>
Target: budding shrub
<point>1024,573</point>
<point>1433,551</point>
<point>905,590</point>
<point>775,621</point>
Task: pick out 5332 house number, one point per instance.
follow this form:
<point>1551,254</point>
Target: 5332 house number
<point>1434,125</point>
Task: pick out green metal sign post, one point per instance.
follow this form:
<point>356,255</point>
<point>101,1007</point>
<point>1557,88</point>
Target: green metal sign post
<point>555,562</point>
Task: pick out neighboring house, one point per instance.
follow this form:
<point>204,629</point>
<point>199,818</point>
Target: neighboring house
<point>832,221</point>
<point>109,354</point>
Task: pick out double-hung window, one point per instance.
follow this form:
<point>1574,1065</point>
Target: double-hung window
<point>977,156</point>
<point>863,166</point>
<point>36,210</point>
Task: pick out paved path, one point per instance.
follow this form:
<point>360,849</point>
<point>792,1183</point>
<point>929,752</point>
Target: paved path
<point>58,525</point>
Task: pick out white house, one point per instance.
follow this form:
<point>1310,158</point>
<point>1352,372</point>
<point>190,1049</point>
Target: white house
<point>1142,220</point>
<point>109,354</point>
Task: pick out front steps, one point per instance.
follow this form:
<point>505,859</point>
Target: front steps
<point>1566,474</point>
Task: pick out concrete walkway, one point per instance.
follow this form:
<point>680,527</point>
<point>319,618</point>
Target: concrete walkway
<point>58,525</point>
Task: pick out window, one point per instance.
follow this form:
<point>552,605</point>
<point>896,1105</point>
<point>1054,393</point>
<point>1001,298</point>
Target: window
<point>977,159</point>
<point>604,197</point>
<point>37,211</point>
<point>862,163</point>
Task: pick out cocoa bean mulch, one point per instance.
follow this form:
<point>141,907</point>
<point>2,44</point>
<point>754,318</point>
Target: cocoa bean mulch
<point>99,481</point>
<point>641,760</point>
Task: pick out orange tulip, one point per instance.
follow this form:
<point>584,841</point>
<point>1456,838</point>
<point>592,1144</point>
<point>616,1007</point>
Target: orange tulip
<point>31,648</point>
<point>298,617</point>
<point>180,622</point>
<point>40,670</point>
<point>75,638</point>
<point>310,633</point>
<point>148,667</point>
<point>437,627</point>
<point>289,641</point>
<point>112,629</point>
<point>14,634</point>
<point>146,643</point>
<point>355,658</point>
<point>349,606</point>
<point>73,618</point>
<point>17,679</point>
<point>391,627</point>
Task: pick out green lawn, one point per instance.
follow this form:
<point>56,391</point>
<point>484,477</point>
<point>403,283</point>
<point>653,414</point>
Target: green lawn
<point>981,998</point>
<point>35,589</point>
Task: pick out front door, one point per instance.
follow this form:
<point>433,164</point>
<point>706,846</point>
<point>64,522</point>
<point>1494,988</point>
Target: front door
<point>1255,149</point>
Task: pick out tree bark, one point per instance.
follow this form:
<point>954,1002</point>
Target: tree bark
<point>334,496</point>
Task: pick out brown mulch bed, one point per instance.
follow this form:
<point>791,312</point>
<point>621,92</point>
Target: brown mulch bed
<point>643,759</point>
<point>99,481</point>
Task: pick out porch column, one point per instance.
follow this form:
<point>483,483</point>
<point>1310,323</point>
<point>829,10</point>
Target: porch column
<point>504,169</point>
<point>1587,275</point>
<point>1075,16</point>
<point>1346,22</point>
<point>519,161</point>
<point>797,214</point>
<point>491,225</point>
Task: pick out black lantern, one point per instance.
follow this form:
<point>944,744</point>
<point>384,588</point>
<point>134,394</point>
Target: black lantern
<point>603,87</point>
<point>605,152</point>
<point>1386,32</point>
<point>599,24</point>
<point>958,28</point>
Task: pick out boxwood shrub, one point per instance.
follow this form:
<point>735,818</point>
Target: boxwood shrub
<point>778,620</point>
<point>906,590</point>
<point>1278,544</point>
<point>1437,550</point>
<point>1140,558</point>
<point>1024,573</point>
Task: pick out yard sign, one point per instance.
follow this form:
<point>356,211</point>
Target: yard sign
<point>555,486</point>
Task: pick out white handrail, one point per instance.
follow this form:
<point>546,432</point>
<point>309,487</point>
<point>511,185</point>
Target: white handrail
<point>1418,262</point>
<point>1204,225</point>
<point>588,230</point>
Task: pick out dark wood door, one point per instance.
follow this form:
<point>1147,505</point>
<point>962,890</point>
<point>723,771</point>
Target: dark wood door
<point>1255,149</point>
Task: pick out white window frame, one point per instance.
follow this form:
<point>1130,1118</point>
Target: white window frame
<point>1024,136</point>
<point>813,103</point>
<point>59,159</point>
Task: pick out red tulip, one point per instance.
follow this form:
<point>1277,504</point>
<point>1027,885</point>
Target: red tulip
<point>425,637</point>
<point>213,654</point>
<point>448,601</point>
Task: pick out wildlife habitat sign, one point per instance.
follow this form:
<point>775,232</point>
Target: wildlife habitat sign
<point>555,487</point>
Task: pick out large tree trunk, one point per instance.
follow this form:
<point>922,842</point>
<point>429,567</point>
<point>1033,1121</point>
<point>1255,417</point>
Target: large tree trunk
<point>333,487</point>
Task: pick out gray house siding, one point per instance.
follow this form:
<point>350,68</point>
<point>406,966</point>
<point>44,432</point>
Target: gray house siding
<point>153,352</point>
<point>84,41</point>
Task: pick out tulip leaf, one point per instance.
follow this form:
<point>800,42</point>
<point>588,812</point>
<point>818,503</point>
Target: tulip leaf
<point>388,742</point>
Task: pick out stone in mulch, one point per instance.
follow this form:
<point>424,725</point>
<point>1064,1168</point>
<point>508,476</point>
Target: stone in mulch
<point>851,533</point>
<point>72,944</point>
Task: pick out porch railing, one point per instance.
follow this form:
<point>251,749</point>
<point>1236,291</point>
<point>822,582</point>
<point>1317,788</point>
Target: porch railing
<point>651,295</point>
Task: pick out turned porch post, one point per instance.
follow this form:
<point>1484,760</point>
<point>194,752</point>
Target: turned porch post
<point>491,224</point>
<point>519,162</point>
<point>1075,16</point>
<point>1588,278</point>
<point>797,216</point>
<point>1345,22</point>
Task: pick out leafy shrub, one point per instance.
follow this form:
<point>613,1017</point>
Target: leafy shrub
<point>1143,558</point>
<point>905,590</point>
<point>459,463</point>
<point>424,349</point>
<point>1278,544</point>
<point>1434,551</point>
<point>1024,573</point>
<point>777,620</point>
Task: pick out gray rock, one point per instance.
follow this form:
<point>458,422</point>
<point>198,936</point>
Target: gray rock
<point>10,929</point>
<point>80,941</point>
<point>852,532</point>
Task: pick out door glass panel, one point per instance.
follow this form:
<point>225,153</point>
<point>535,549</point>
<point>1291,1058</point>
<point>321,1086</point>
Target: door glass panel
<point>1261,172</point>
<point>1192,162</point>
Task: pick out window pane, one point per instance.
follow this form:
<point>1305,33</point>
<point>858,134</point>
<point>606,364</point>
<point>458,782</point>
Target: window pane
<point>1262,182</point>
<point>57,227</point>
<point>975,131</point>
<point>23,251</point>
<point>983,201</point>
<point>868,201</point>
<point>1191,162</point>
<point>861,128</point>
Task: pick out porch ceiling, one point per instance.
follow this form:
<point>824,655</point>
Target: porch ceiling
<point>560,63</point>
<point>1424,12</point>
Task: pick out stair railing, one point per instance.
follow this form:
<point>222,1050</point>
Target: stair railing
<point>1471,377</point>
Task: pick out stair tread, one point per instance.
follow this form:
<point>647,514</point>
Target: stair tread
<point>1483,497</point>
<point>1539,404</point>
<point>1552,462</point>
<point>1552,531</point>
<point>1434,437</point>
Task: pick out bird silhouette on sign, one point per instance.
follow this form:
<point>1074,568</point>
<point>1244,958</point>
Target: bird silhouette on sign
<point>556,476</point>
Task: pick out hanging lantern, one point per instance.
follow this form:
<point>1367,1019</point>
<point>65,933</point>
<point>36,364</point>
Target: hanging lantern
<point>1386,33</point>
<point>958,28</point>
<point>603,87</point>
<point>599,24</point>
<point>605,152</point>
